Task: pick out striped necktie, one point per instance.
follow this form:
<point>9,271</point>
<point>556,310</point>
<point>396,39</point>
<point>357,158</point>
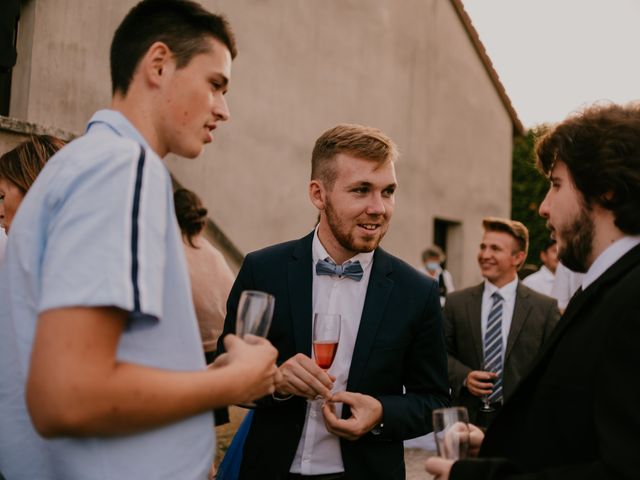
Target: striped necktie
<point>493,350</point>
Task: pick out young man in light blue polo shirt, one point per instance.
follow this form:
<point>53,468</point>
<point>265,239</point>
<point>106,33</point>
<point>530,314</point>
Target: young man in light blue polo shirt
<point>100,345</point>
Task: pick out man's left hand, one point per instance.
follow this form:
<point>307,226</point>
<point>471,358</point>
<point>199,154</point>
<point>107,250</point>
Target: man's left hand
<point>366,413</point>
<point>439,467</point>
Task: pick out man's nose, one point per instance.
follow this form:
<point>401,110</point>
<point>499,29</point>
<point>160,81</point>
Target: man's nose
<point>376,205</point>
<point>543,210</point>
<point>221,109</point>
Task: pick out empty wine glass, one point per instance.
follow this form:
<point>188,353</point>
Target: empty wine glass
<point>255,312</point>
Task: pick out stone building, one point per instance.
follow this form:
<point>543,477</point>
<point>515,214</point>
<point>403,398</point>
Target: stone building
<point>416,69</point>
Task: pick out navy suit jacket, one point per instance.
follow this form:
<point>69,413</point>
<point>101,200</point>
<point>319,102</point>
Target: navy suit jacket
<point>576,416</point>
<point>400,343</point>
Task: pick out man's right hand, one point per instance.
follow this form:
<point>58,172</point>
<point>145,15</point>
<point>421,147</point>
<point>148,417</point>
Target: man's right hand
<point>301,376</point>
<point>480,383</point>
<point>254,358</point>
<point>440,467</point>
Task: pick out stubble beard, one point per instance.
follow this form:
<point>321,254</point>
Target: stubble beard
<point>344,237</point>
<point>578,243</point>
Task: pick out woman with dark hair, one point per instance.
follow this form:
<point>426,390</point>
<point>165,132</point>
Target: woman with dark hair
<point>18,170</point>
<point>211,278</point>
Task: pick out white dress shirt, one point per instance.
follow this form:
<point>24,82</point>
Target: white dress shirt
<point>608,257</point>
<point>508,293</point>
<point>446,277</point>
<point>565,285</point>
<point>541,281</point>
<point>318,450</point>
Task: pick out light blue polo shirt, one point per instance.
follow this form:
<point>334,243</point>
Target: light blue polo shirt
<point>98,228</point>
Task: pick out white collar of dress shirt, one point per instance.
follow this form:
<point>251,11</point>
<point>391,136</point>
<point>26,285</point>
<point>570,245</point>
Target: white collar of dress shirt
<point>608,257</point>
<point>547,273</point>
<point>508,291</point>
<point>320,253</point>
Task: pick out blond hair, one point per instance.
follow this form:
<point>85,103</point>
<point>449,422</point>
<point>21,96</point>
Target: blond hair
<point>22,165</point>
<point>514,228</point>
<point>357,140</point>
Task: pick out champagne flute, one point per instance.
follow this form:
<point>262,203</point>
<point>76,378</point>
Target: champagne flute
<point>326,336</point>
<point>255,312</point>
<point>451,432</point>
<point>486,405</point>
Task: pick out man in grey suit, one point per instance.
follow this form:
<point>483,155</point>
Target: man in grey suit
<point>494,330</point>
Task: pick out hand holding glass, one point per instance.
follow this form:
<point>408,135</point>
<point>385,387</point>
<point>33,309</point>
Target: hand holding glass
<point>255,312</point>
<point>451,431</point>
<point>486,405</point>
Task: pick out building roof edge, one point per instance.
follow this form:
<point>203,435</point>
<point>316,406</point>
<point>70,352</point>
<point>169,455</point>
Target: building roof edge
<point>518,127</point>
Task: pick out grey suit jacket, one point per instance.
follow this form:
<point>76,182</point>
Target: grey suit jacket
<point>534,317</point>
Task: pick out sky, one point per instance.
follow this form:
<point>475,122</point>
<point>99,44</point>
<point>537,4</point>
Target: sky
<point>555,56</point>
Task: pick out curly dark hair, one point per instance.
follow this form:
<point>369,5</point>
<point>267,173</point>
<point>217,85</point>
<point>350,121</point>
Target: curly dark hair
<point>601,149</point>
<point>192,216</point>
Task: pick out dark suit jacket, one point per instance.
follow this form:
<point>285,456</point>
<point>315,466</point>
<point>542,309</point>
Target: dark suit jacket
<point>577,414</point>
<point>399,343</point>
<point>534,317</point>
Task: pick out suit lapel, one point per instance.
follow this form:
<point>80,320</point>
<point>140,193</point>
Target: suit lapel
<point>521,311</point>
<point>474,316</point>
<point>300,278</point>
<point>378,292</point>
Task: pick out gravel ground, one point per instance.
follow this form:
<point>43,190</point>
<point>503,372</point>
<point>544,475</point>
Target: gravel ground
<point>414,460</point>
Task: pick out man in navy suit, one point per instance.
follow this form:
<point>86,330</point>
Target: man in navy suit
<point>575,415</point>
<point>390,369</point>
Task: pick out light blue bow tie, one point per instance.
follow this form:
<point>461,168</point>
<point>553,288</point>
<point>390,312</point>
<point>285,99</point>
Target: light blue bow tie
<point>351,270</point>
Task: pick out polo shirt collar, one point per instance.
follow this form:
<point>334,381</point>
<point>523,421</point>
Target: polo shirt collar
<point>118,123</point>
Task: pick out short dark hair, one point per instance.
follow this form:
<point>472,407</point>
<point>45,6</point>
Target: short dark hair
<point>191,214</point>
<point>184,26</point>
<point>22,165</point>
<point>514,228</point>
<point>548,244</point>
<point>601,148</point>
<point>358,140</point>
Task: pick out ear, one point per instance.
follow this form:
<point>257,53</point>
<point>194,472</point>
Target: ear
<point>317,194</point>
<point>518,258</point>
<point>608,197</point>
<point>155,63</point>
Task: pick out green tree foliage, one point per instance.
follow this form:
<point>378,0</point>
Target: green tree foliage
<point>528,189</point>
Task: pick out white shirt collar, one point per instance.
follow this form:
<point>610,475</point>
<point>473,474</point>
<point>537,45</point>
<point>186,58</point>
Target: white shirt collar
<point>608,257</point>
<point>507,292</point>
<point>320,253</point>
<point>548,274</point>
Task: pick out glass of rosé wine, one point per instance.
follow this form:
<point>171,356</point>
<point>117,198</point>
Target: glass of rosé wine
<point>326,336</point>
